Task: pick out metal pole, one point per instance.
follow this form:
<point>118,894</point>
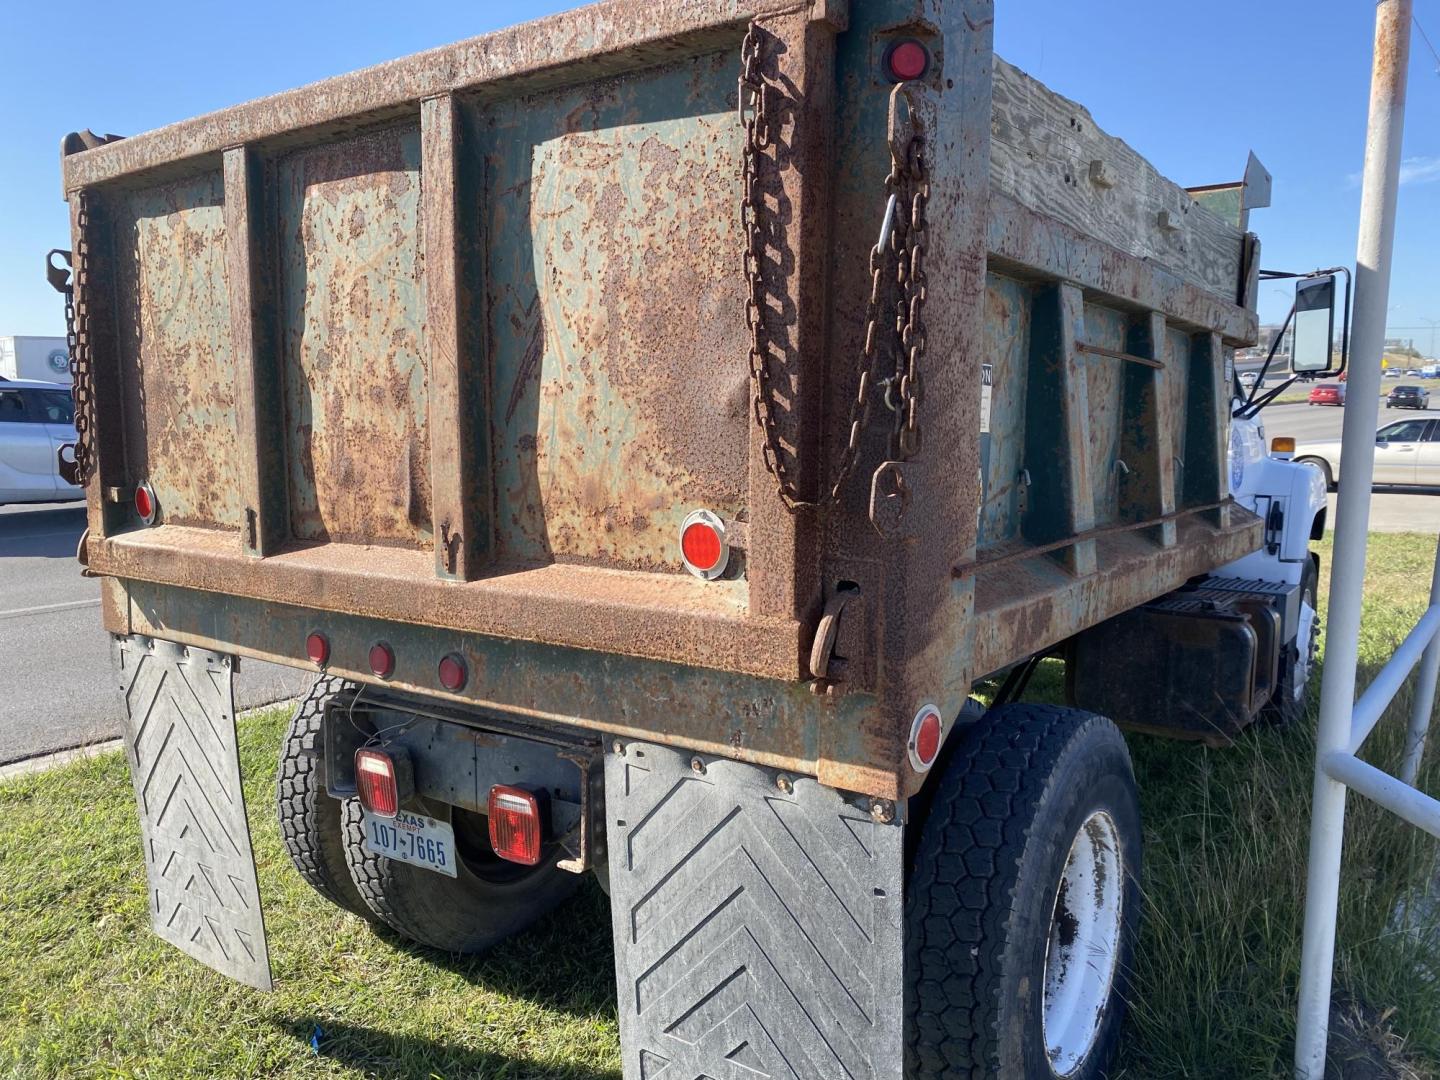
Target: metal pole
<point>1424,703</point>
<point>1347,572</point>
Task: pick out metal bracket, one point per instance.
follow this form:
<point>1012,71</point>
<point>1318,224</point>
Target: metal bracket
<point>822,651</point>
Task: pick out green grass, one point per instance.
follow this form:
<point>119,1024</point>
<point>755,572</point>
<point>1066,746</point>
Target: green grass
<point>89,992</point>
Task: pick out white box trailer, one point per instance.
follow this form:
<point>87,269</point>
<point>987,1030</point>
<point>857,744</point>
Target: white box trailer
<point>26,357</point>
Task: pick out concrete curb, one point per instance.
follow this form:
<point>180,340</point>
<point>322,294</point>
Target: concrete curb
<point>45,762</point>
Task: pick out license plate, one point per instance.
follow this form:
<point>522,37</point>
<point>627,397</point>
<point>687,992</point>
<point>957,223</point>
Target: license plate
<point>412,838</point>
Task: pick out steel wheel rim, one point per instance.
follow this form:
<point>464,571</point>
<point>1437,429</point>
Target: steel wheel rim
<point>1083,944</point>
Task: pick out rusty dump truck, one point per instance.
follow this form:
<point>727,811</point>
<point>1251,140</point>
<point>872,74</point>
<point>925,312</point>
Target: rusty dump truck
<point>659,428</point>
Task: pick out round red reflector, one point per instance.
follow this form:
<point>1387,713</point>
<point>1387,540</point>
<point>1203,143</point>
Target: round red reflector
<point>925,734</point>
<point>382,659</point>
<point>452,672</point>
<point>907,60</point>
<point>701,545</point>
<point>145,504</point>
<point>317,647</point>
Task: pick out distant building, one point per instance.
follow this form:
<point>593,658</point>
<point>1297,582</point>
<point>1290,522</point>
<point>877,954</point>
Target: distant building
<point>42,358</point>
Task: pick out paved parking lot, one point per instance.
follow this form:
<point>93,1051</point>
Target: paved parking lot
<point>55,672</point>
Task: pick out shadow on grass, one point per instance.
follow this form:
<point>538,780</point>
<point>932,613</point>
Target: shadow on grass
<point>388,1056</point>
<point>565,962</point>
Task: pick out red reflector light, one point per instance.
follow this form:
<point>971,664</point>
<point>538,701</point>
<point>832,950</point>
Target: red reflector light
<point>317,648</point>
<point>452,672</point>
<point>515,825</point>
<point>925,736</point>
<point>145,503</point>
<point>382,659</point>
<point>907,60</point>
<point>703,546</point>
<point>375,779</point>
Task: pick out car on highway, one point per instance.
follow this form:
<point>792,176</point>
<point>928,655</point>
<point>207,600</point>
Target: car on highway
<point>1406,452</point>
<point>37,426</point>
<point>1249,380</point>
<point>1328,393</point>
<point>1408,397</point>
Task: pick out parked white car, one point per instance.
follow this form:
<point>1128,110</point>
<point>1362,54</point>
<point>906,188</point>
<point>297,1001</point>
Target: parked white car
<point>1406,452</point>
<point>37,424</point>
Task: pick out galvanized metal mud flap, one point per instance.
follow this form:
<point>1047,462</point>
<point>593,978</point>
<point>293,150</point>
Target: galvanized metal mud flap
<point>757,922</point>
<point>180,739</point>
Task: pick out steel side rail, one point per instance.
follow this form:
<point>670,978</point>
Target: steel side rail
<point>1382,690</point>
<point>1380,787</point>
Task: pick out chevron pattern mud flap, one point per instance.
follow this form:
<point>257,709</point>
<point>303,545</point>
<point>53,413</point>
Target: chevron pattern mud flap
<point>180,739</point>
<point>757,923</point>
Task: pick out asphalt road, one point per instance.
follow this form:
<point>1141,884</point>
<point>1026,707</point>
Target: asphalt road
<point>57,687</point>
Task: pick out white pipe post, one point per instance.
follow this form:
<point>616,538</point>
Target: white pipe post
<point>1424,703</point>
<point>1347,573</point>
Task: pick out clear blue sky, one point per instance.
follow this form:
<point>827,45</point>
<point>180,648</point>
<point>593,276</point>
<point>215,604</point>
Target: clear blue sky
<point>1192,88</point>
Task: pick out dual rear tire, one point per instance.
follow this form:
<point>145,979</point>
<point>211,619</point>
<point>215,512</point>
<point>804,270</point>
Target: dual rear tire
<point>1022,901</point>
<point>487,901</point>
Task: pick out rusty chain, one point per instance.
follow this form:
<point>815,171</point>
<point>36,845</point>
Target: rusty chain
<point>902,236</point>
<point>73,286</point>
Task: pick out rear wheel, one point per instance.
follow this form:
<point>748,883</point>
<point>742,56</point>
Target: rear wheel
<point>1024,899</point>
<point>487,901</point>
<point>310,818</point>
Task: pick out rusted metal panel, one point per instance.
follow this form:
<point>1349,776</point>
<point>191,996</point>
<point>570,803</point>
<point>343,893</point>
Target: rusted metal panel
<point>353,302</point>
<point>176,349</point>
<point>617,355</point>
<point>774,722</point>
<point>664,616</point>
<point>1062,500</point>
<point>571,47</point>
<point>1208,428</point>
<point>259,425</point>
<point>458,390</point>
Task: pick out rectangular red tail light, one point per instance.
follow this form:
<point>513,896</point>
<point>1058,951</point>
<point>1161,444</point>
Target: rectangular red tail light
<point>375,781</point>
<point>515,825</point>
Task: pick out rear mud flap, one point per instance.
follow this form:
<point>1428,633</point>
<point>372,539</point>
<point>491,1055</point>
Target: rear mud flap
<point>757,923</point>
<point>180,740</point>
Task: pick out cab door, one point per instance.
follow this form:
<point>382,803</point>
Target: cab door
<point>28,470</point>
<point>1397,451</point>
<point>1427,464</point>
<point>56,411</point>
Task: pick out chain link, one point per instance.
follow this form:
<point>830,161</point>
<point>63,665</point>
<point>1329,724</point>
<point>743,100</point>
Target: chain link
<point>77,344</point>
<point>902,240</point>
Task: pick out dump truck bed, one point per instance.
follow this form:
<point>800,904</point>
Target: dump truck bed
<point>444,352</point>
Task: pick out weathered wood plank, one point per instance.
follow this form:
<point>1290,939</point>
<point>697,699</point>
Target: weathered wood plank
<point>1030,245</point>
<point>259,436</point>
<point>1048,153</point>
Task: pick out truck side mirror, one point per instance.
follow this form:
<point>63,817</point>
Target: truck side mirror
<point>1314,325</point>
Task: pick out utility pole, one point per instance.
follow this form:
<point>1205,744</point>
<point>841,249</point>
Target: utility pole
<point>1378,192</point>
